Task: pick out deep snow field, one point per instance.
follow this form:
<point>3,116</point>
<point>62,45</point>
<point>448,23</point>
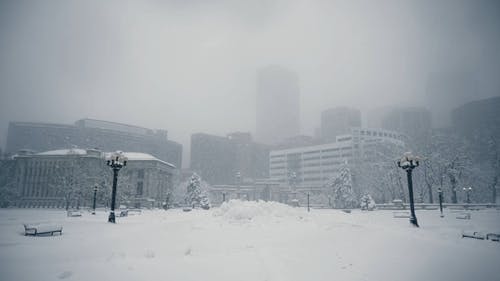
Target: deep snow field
<point>249,241</point>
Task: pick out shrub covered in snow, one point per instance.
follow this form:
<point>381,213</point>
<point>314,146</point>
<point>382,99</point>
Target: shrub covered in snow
<point>195,193</point>
<point>248,210</point>
<point>342,192</point>
<point>367,202</point>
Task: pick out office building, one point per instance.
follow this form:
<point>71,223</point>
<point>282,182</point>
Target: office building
<point>91,133</point>
<point>338,121</point>
<point>278,105</point>
<point>228,160</point>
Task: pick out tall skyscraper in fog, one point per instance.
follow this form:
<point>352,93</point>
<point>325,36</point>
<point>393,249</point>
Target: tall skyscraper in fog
<point>278,104</point>
<point>415,122</point>
<point>448,90</point>
<point>338,121</point>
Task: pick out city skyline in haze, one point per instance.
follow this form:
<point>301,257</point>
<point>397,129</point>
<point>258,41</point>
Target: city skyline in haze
<point>187,67</point>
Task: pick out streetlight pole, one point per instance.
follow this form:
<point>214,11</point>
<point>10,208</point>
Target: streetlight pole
<point>238,179</point>
<point>440,192</point>
<point>116,162</point>
<point>408,163</point>
<point>95,197</point>
<point>308,207</point>
<point>467,192</point>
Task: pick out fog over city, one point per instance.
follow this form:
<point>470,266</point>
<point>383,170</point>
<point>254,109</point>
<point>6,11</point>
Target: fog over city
<point>191,66</point>
<point>224,140</point>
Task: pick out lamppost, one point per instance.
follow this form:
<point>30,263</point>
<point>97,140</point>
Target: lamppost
<point>293,180</point>
<point>467,192</point>
<point>408,163</point>
<point>95,196</point>
<point>116,162</point>
<point>308,207</point>
<point>440,192</point>
<point>238,179</point>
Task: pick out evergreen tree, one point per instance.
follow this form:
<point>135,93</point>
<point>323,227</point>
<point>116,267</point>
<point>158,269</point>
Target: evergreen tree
<point>342,192</point>
<point>193,191</point>
<point>367,202</point>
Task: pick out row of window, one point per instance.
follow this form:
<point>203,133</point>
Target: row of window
<point>379,134</point>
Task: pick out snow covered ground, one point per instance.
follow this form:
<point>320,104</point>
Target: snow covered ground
<point>249,241</point>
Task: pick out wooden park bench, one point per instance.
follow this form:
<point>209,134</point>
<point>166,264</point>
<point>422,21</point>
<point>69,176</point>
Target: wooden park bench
<point>481,236</point>
<point>133,212</point>
<point>38,229</point>
<point>473,234</point>
<point>493,237</point>
<point>401,215</point>
<point>74,213</point>
<point>463,216</point>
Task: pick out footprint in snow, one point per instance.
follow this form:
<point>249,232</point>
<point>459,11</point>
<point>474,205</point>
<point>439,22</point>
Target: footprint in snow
<point>149,254</point>
<point>65,274</point>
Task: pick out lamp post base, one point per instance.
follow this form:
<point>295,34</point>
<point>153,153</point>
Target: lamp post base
<point>112,217</point>
<point>413,220</point>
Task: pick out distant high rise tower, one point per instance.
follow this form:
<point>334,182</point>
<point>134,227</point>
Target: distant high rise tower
<point>338,121</point>
<point>278,108</point>
<point>448,90</point>
<point>415,122</point>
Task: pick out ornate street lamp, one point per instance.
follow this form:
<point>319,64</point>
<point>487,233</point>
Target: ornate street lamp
<point>467,192</point>
<point>95,197</point>
<point>308,206</point>
<point>293,180</point>
<point>238,179</point>
<point>440,192</point>
<point>116,161</point>
<point>408,163</point>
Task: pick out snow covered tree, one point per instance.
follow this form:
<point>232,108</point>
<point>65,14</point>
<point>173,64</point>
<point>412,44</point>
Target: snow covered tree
<point>193,191</point>
<point>367,202</point>
<point>9,192</point>
<point>341,188</point>
<point>494,167</point>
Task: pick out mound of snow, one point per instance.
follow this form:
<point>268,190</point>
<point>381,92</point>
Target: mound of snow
<point>247,210</point>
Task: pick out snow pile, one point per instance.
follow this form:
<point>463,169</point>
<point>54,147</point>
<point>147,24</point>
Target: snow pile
<point>248,210</point>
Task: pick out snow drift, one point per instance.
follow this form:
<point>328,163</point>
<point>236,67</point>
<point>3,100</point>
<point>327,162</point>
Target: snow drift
<point>248,210</point>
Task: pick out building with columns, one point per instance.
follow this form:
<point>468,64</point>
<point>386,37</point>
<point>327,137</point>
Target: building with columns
<point>67,177</point>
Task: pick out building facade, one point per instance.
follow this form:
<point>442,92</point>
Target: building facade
<point>103,135</point>
<point>414,122</point>
<point>478,120</point>
<point>338,121</point>
<point>226,160</point>
<point>313,166</point>
<point>277,105</point>
<point>67,177</point>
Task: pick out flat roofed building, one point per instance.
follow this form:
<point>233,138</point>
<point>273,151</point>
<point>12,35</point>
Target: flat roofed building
<point>314,166</point>
<point>103,135</point>
<point>66,178</point>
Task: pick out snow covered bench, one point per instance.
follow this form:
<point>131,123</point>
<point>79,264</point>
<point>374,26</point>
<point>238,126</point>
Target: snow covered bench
<point>74,214</point>
<point>473,234</point>
<point>133,212</point>
<point>401,215</point>
<point>463,216</point>
<point>493,237</point>
<point>481,236</point>
<point>36,229</point>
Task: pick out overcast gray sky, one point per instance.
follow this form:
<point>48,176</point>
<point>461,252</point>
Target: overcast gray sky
<point>190,66</point>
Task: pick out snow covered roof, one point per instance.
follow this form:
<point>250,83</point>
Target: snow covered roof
<point>71,151</point>
<point>139,156</point>
<point>132,156</point>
